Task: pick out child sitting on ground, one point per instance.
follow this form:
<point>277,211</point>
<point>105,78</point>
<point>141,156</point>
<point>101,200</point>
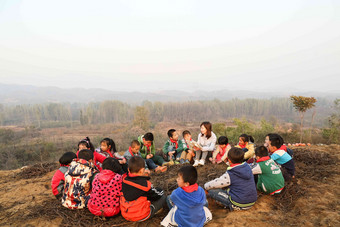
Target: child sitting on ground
<point>220,153</point>
<point>188,149</point>
<point>58,179</point>
<point>108,149</point>
<point>283,147</point>
<point>139,200</point>
<point>149,164</point>
<point>281,156</point>
<point>78,181</point>
<point>270,180</point>
<point>106,189</point>
<point>246,143</point>
<point>173,148</point>
<point>147,149</point>
<point>186,203</point>
<point>241,194</point>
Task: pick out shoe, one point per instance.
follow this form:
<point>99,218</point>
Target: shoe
<point>186,161</point>
<point>196,163</point>
<point>171,163</point>
<point>201,162</point>
<point>181,161</point>
<point>161,169</point>
<point>176,162</point>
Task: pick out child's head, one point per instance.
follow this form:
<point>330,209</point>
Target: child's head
<point>186,135</point>
<point>136,165</point>
<point>67,158</point>
<point>172,134</point>
<point>112,164</point>
<point>108,144</point>
<point>261,151</point>
<point>187,175</point>
<point>206,128</point>
<point>86,154</point>
<point>266,141</point>
<point>135,145</point>
<point>275,142</point>
<point>244,138</point>
<point>236,155</point>
<point>222,141</point>
<point>148,138</point>
<point>85,144</point>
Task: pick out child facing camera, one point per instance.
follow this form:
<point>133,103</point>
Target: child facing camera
<point>106,189</point>
<point>220,153</point>
<point>139,200</point>
<point>187,202</point>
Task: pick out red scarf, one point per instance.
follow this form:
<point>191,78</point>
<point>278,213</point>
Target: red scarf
<point>233,165</point>
<point>191,188</point>
<point>132,154</point>
<point>243,146</point>
<point>224,149</point>
<point>265,158</point>
<point>175,142</point>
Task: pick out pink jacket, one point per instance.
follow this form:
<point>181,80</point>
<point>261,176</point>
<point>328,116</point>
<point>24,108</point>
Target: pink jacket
<point>106,189</point>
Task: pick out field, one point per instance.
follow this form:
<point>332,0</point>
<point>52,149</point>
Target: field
<point>311,200</point>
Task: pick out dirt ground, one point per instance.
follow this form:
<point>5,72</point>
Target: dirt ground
<point>312,199</point>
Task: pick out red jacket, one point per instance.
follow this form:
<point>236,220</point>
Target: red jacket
<point>106,189</point>
<point>97,158</point>
<point>58,180</point>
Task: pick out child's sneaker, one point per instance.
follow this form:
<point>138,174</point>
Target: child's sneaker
<point>176,162</point>
<point>196,163</point>
<point>201,162</point>
<point>171,163</point>
<point>181,161</point>
<point>186,161</point>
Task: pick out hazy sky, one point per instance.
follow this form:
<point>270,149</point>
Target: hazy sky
<point>152,45</point>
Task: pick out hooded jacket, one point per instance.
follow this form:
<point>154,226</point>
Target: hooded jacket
<point>58,181</point>
<point>190,210</point>
<point>78,181</point>
<point>105,195</point>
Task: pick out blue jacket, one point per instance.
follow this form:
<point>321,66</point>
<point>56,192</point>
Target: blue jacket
<point>242,189</point>
<point>190,210</point>
<point>281,157</point>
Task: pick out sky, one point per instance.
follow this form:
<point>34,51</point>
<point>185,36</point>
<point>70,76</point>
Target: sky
<point>187,45</point>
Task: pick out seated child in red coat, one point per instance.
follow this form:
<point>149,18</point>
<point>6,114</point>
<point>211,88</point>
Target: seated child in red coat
<point>106,189</point>
<point>58,179</point>
<point>139,200</point>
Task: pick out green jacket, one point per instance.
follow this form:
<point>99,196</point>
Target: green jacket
<point>168,144</point>
<point>270,179</point>
<point>143,150</point>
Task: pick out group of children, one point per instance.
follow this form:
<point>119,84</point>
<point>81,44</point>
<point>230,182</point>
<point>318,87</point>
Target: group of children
<point>108,183</point>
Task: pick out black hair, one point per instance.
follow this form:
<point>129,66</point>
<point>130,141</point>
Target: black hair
<point>185,132</point>
<point>275,140</point>
<point>261,151</point>
<point>135,164</point>
<point>171,132</point>
<point>189,174</point>
<point>247,138</point>
<point>110,142</point>
<point>67,158</point>
<point>87,143</point>
<point>236,155</point>
<point>148,136</point>
<point>276,136</point>
<point>135,143</point>
<point>85,154</point>
<point>222,140</point>
<point>112,164</point>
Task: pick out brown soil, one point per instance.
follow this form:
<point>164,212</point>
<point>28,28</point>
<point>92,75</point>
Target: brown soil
<point>312,199</point>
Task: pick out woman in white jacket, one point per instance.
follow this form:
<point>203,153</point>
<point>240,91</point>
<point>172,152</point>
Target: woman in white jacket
<point>207,141</point>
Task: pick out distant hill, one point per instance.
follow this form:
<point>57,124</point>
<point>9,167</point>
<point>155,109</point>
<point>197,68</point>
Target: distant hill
<point>27,94</point>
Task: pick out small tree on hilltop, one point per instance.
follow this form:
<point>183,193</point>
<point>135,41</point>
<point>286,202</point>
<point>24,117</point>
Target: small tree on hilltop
<point>141,117</point>
<point>302,104</point>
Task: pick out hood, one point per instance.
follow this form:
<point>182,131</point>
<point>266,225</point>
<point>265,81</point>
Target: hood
<point>192,199</point>
<point>241,171</point>
<point>106,175</point>
<point>80,167</point>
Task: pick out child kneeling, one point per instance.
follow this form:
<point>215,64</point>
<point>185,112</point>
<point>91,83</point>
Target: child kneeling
<point>187,202</point>
<point>241,194</point>
<point>139,200</point>
<point>106,189</point>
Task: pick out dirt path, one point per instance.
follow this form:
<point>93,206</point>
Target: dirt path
<point>312,200</point>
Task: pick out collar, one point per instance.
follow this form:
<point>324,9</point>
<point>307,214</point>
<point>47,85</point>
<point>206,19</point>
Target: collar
<point>265,158</point>
<point>234,165</point>
<point>175,142</point>
<point>191,188</point>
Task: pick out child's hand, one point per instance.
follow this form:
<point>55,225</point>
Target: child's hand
<point>147,172</point>
<point>148,156</point>
<point>123,161</point>
<point>218,162</point>
<point>213,161</point>
<point>196,148</point>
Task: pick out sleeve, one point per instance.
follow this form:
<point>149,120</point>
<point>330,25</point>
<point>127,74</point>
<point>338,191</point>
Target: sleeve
<point>153,149</point>
<point>256,169</point>
<point>212,144</point>
<point>180,147</point>
<point>100,158</point>
<point>166,147</point>
<point>221,182</point>
<point>275,156</point>
<point>225,156</point>
<point>250,153</point>
<point>127,156</point>
<point>142,151</point>
<point>215,152</point>
<point>185,147</point>
<point>154,194</point>
<point>57,183</point>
